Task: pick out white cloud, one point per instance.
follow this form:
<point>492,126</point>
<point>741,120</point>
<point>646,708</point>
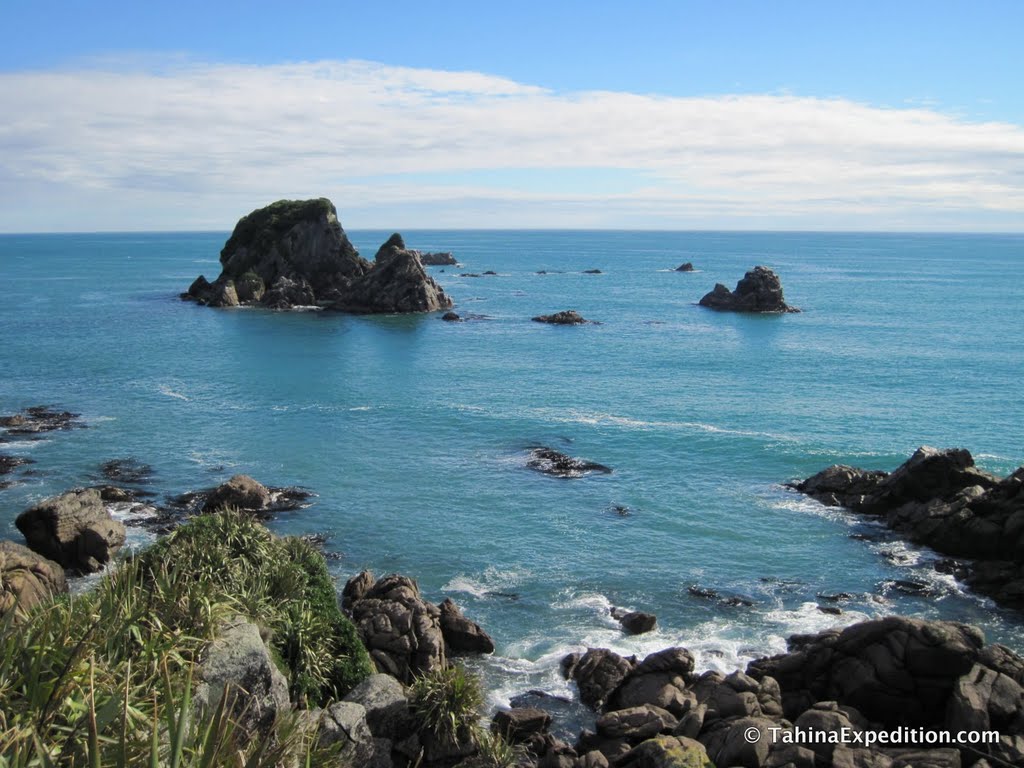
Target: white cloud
<point>190,146</point>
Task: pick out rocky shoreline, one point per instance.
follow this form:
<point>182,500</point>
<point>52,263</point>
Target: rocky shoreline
<point>653,712</point>
<point>939,498</point>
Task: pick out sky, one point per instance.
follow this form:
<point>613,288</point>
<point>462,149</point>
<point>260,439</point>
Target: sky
<point>785,115</point>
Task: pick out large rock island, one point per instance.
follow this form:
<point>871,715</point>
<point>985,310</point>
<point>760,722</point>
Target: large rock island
<point>760,290</point>
<point>294,253</point>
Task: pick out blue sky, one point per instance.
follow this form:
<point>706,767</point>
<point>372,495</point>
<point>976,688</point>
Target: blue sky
<point>672,115</point>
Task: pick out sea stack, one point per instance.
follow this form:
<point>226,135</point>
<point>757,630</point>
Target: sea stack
<point>294,253</point>
<point>760,290</point>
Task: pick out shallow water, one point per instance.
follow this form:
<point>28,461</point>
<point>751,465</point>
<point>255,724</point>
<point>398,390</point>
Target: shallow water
<point>413,432</point>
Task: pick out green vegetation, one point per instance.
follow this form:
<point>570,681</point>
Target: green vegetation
<point>259,230</point>
<point>105,678</point>
<point>447,702</point>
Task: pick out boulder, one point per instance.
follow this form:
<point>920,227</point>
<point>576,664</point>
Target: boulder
<point>895,671</point>
<point>841,486</point>
<point>660,679</point>
<point>73,529</point>
<point>685,267</point>
<point>240,492</point>
<point>636,724</point>
<point>397,282</point>
<point>26,578</point>
<point>451,317</point>
<point>238,664</point>
<point>760,290</point>
<point>387,707</point>
<point>597,674</point>
<point>638,622</point>
<point>557,464</point>
<point>730,743</point>
<point>667,752</point>
<point>344,724</point>
<point>566,317</point>
<point>461,635</point>
<point>520,724</point>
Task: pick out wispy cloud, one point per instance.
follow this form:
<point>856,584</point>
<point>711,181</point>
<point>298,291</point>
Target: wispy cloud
<point>188,145</point>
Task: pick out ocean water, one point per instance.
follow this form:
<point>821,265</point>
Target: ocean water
<point>413,432</point>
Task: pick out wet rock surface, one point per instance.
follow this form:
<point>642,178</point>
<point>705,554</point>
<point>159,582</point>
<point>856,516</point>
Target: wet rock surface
<point>939,498</point>
<point>557,464</point>
<point>565,317</point>
<point>39,419</point>
<point>73,529</point>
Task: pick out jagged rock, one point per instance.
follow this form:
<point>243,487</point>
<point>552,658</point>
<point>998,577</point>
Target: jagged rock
<point>344,724</point>
<point>240,492</point>
<point>660,679</point>
<point>387,706</point>
<point>238,664</point>
<point>438,259</point>
<point>555,463</point>
<point>636,724</point>
<point>985,699</point>
<point>460,634</point>
<point>597,674</point>
<point>940,499</point>
<point>566,317</point>
<point>638,622</point>
<point>287,293</point>
<point>73,529</point>
<point>685,267</point>
<point>9,463</point>
<point>759,291</point>
<point>396,283</point>
<point>667,752</point>
<point>26,578</point>
<point>729,744</point>
<point>896,671</point>
<point>518,725</point>
<point>40,418</point>
<point>356,588</point>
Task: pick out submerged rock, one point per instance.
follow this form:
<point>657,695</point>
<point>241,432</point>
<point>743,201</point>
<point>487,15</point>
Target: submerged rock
<point>566,317</point>
<point>294,253</point>
<point>74,529</point>
<point>451,317</point>
<point>685,267</point>
<point>39,418</point>
<point>760,290</point>
<point>557,464</point>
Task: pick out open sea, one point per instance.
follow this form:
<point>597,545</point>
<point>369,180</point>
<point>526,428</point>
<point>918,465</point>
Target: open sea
<point>413,432</point>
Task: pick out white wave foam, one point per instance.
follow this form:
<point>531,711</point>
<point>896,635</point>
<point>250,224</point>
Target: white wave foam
<point>491,580</point>
<point>362,408</point>
<point>163,389</point>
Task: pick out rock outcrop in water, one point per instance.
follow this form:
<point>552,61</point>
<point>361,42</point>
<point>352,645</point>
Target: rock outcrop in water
<point>73,529</point>
<point>558,464</point>
<point>294,253</point>
<point>870,677</point>
<point>760,290</point>
<point>439,259</point>
<point>940,499</point>
<point>406,635</point>
<point>565,317</point>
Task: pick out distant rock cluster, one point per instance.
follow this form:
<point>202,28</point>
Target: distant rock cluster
<point>760,290</point>
<point>294,254</point>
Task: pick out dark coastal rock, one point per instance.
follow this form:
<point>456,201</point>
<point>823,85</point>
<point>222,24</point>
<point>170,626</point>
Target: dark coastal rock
<point>9,463</point>
<point>760,290</point>
<point>73,529</point>
<point>294,253</point>
<point>940,499</point>
<point>592,272</point>
<point>728,600</point>
<point>685,267</point>
<point>667,752</point>
<point>397,282</point>
<point>131,471</point>
<point>451,317</point>
<point>520,724</point>
<point>461,635</point>
<point>597,673</point>
<point>638,622</point>
<point>557,464</point>
<point>406,635</point>
<point>39,419</point>
<point>437,259</point>
<point>26,578</point>
<point>660,679</point>
<point>240,492</point>
<point>566,317</point>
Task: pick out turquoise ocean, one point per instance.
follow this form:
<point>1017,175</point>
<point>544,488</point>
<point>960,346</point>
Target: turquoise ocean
<point>413,432</point>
